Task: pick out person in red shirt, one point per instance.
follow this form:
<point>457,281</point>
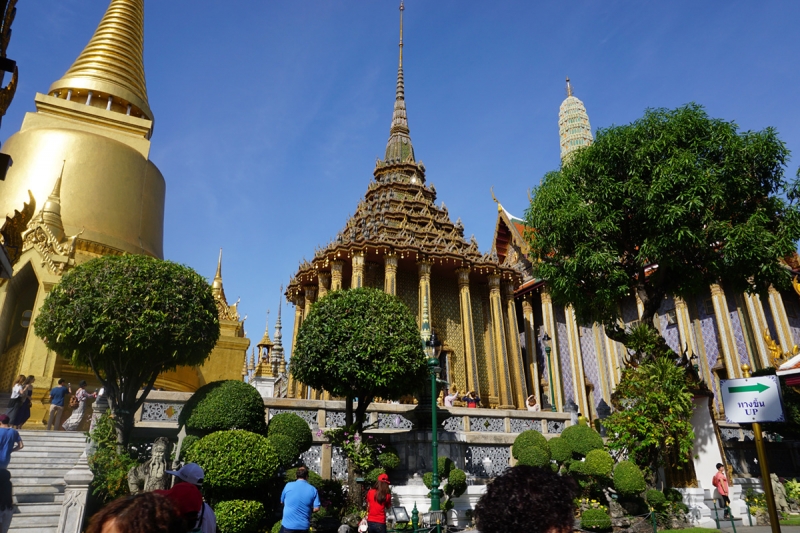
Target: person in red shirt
<point>379,499</point>
<point>720,481</point>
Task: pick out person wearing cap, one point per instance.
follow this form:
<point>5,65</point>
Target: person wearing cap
<point>193,474</point>
<point>299,499</point>
<point>378,500</point>
<point>10,441</point>
<point>188,503</point>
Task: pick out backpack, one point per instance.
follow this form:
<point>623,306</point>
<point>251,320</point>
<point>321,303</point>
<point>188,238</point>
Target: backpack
<point>73,402</point>
<point>714,480</point>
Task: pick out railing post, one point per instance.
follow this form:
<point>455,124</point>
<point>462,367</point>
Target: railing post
<point>73,509</point>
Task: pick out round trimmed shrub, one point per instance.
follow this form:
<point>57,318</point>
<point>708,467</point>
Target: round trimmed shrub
<point>445,466</point>
<point>534,456</point>
<point>628,478</point>
<point>371,477</point>
<point>560,449</point>
<point>314,479</point>
<point>292,426</point>
<point>285,448</point>
<point>188,442</point>
<point>529,439</point>
<point>235,463</point>
<point>456,482</point>
<point>596,519</point>
<point>582,439</point>
<point>427,479</point>
<point>388,460</point>
<point>223,405</point>
<point>599,463</point>
<point>239,516</point>
<point>655,498</point>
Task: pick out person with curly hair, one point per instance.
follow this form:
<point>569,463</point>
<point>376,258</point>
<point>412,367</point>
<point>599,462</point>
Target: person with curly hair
<point>146,512</point>
<point>530,499</point>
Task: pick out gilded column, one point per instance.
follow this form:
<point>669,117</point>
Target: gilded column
<point>424,269</point>
<point>336,275</point>
<point>781,322</point>
<point>468,330</point>
<point>554,369</point>
<point>324,279</point>
<point>516,364</point>
<point>759,324</point>
<point>530,344</point>
<point>725,331</point>
<point>688,341</point>
<point>390,274</point>
<point>295,388</point>
<point>489,344</point>
<point>357,280</point>
<point>500,344</point>
<point>576,361</point>
<point>612,359</point>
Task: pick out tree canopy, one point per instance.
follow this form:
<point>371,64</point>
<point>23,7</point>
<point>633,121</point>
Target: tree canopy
<point>359,343</point>
<point>690,195</point>
<point>129,318</point>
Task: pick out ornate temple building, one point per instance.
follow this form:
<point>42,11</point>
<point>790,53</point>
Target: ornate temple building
<point>401,241</point>
<point>719,329</point>
<point>82,186</point>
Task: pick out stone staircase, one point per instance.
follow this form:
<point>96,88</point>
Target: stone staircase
<point>37,472</point>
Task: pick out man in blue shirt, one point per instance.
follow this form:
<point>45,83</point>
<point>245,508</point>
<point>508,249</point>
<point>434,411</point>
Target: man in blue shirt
<point>299,500</point>
<point>57,396</point>
<point>10,441</point>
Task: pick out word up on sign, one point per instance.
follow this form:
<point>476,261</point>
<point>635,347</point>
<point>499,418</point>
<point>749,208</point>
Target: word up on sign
<point>751,400</point>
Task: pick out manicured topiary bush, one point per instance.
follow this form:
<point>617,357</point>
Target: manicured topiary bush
<point>292,426</point>
<point>582,439</point>
<point>599,463</point>
<point>427,479</point>
<point>456,483</point>
<point>388,460</point>
<point>534,456</point>
<point>529,439</point>
<point>239,516</point>
<point>655,498</point>
<point>628,478</point>
<point>188,442</point>
<point>445,466</point>
<point>236,463</point>
<point>285,448</point>
<point>313,478</point>
<point>595,519</point>
<point>223,405</point>
<point>560,449</point>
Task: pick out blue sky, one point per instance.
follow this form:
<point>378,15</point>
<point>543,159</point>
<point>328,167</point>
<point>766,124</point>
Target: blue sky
<point>269,114</point>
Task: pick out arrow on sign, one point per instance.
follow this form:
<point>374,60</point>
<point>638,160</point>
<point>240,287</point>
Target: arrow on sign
<point>758,387</point>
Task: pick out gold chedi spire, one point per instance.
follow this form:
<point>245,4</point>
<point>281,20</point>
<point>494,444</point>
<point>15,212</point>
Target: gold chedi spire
<point>569,88</point>
<point>399,148</point>
<point>573,124</point>
<point>111,67</point>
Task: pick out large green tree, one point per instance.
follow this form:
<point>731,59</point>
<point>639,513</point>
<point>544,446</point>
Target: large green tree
<point>359,343</point>
<point>666,205</point>
<point>129,318</point>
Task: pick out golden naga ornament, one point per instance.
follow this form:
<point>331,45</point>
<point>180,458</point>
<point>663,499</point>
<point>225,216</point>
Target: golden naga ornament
<point>776,355</point>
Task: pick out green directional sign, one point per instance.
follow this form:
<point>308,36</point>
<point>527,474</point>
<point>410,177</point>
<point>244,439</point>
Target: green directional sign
<point>759,387</point>
<point>751,400</point>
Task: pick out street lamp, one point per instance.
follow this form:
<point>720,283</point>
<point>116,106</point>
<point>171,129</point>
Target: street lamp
<point>432,349</point>
<point>546,340</point>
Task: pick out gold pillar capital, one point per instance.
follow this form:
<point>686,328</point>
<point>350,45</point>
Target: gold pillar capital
<point>336,275</point>
<point>508,289</point>
<point>424,269</point>
<point>357,279</point>
<point>494,282</point>
<point>390,261</point>
<point>310,292</point>
<point>390,273</point>
<point>324,281</point>
<point>463,276</point>
<point>527,306</point>
<point>716,290</point>
<point>546,298</point>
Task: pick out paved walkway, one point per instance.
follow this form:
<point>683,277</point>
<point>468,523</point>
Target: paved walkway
<point>759,529</point>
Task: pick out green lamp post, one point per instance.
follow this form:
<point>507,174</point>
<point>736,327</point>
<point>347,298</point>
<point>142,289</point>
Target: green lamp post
<point>432,348</point>
<point>546,339</point>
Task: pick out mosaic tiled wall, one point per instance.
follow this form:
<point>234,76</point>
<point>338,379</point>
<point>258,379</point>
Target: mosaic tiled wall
<point>408,290</point>
<point>563,354</point>
<point>790,303</point>
<point>669,331</point>
<point>591,365</point>
<point>629,310</point>
<point>446,321</point>
<point>737,323</point>
<point>708,328</point>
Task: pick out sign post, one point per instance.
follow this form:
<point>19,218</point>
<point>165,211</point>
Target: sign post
<point>752,401</point>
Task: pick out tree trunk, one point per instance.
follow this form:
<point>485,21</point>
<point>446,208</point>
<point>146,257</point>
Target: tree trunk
<point>348,411</point>
<point>353,488</point>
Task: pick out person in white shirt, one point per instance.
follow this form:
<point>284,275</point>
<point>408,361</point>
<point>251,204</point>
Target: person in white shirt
<point>531,404</point>
<point>450,398</point>
<point>193,474</point>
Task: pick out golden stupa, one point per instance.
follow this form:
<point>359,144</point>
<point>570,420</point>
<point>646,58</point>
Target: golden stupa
<point>82,186</point>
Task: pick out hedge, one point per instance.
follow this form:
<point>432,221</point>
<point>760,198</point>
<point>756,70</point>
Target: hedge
<point>655,498</point>
<point>628,478</point>
<point>599,463</point>
<point>235,463</point>
<point>560,449</point>
<point>529,439</point>
<point>239,516</point>
<point>534,456</point>
<point>286,449</point>
<point>596,519</point>
<point>223,405</point>
<point>582,439</point>
<point>314,479</point>
<point>188,442</point>
<point>294,427</point>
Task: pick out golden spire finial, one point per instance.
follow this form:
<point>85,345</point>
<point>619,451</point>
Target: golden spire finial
<point>112,64</point>
<point>402,8</point>
<point>399,148</point>
<point>499,207</point>
<point>569,88</point>
<point>217,284</point>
